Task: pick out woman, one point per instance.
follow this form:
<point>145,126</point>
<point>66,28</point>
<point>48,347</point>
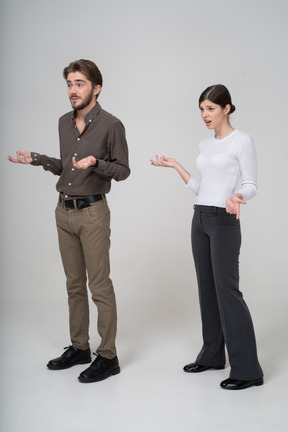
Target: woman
<point>216,238</point>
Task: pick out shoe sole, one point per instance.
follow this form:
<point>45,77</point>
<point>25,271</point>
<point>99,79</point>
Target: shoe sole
<point>204,370</point>
<point>256,383</point>
<point>103,377</point>
<point>80,362</point>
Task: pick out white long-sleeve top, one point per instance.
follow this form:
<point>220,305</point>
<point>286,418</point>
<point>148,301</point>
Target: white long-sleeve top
<point>221,164</point>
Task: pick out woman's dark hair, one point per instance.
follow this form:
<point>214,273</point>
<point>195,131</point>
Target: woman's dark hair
<point>88,68</point>
<point>219,95</point>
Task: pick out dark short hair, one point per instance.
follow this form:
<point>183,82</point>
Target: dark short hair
<point>219,95</point>
<point>88,68</point>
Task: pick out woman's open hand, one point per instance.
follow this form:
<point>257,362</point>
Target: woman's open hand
<point>233,204</point>
<point>164,162</point>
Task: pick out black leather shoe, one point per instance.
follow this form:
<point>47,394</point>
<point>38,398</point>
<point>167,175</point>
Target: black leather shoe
<point>100,369</point>
<point>72,356</point>
<point>232,384</point>
<point>196,367</point>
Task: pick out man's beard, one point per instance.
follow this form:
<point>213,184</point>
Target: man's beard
<point>85,102</point>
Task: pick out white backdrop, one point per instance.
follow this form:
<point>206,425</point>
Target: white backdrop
<point>156,57</point>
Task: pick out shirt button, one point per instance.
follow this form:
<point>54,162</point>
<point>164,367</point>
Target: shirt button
<point>73,169</point>
<point>75,154</point>
<point>78,139</point>
<point>47,164</point>
<point>69,184</point>
<point>66,196</point>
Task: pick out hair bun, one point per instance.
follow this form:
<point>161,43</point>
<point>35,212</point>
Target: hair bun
<point>233,108</point>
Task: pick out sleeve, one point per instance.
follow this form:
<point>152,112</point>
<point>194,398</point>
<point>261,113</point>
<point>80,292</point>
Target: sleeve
<point>248,167</point>
<point>49,164</point>
<point>194,184</point>
<point>117,167</point>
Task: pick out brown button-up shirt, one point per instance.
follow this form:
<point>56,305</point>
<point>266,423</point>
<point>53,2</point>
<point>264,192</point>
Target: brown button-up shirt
<point>104,138</point>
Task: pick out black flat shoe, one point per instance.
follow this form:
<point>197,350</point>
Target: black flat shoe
<point>100,369</point>
<point>71,357</point>
<point>232,384</point>
<point>196,367</point>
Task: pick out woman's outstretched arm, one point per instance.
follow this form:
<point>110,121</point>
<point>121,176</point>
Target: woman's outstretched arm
<point>172,163</point>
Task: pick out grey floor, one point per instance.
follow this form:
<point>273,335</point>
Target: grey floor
<point>151,394</point>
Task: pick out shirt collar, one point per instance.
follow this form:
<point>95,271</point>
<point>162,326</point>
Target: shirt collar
<point>91,114</point>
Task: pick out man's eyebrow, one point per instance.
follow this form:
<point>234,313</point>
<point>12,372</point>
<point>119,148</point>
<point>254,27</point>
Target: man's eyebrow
<point>77,80</point>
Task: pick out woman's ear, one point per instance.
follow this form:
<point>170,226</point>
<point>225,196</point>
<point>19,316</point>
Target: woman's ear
<point>227,109</point>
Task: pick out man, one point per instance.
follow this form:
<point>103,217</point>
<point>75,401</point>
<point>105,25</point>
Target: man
<point>93,151</point>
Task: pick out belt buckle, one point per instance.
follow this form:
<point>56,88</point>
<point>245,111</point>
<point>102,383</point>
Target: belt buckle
<point>81,204</point>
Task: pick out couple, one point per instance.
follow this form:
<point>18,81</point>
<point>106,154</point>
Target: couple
<point>93,151</point>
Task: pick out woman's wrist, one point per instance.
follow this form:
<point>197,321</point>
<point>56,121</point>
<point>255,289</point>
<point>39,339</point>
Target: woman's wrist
<point>239,195</point>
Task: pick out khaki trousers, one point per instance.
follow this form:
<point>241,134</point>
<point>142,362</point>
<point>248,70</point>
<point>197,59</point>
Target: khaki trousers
<point>84,242</point>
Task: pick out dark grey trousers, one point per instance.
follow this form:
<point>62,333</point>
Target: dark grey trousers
<point>226,320</point>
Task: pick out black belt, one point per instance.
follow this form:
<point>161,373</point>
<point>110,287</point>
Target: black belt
<point>210,209</point>
<point>80,203</point>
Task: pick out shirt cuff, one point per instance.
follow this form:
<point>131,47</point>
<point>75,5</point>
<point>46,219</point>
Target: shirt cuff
<point>35,158</point>
<point>96,164</point>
